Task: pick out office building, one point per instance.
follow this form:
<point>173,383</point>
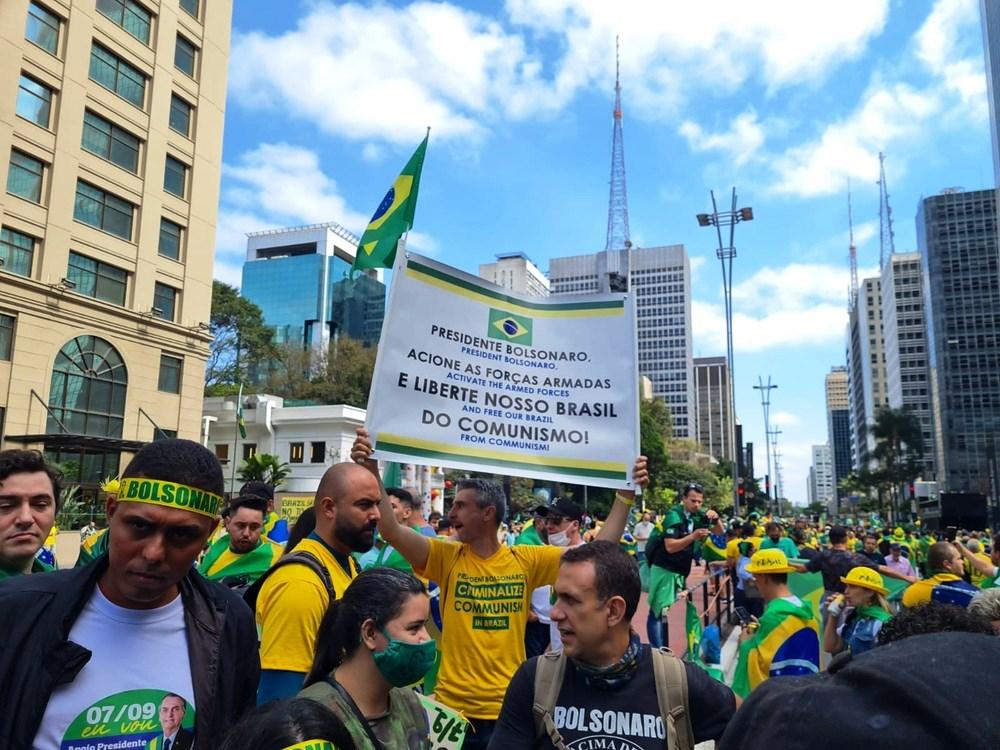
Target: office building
<point>660,278</point>
<point>300,279</point>
<point>838,424</point>
<point>821,478</point>
<point>957,238</point>
<point>111,122</point>
<point>989,11</point>
<point>907,379</point>
<point>865,370</point>
<point>516,272</point>
<point>712,413</point>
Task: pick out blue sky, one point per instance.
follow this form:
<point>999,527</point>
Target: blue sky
<point>788,100</point>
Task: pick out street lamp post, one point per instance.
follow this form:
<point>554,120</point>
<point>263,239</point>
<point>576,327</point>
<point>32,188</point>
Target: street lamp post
<point>725,253</point>
<point>776,481</point>
<point>765,402</point>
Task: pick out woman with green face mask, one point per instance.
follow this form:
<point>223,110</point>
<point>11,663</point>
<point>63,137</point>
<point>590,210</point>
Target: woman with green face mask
<point>372,646</point>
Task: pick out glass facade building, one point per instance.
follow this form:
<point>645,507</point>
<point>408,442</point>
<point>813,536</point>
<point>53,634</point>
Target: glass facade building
<point>957,237</point>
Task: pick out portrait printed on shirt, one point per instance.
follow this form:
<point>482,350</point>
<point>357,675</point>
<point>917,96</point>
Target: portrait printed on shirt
<point>133,720</point>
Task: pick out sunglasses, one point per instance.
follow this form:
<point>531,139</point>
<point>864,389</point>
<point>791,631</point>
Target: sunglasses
<point>692,487</point>
<point>553,519</point>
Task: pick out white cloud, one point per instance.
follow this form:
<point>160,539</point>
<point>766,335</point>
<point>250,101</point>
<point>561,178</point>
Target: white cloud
<point>784,419</point>
<point>372,152</point>
<point>740,143</point>
<point>848,148</point>
<point>383,73</point>
<point>277,185</point>
<point>938,47</point>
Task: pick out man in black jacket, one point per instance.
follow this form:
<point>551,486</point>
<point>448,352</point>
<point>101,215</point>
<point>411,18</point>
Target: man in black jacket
<point>92,652</point>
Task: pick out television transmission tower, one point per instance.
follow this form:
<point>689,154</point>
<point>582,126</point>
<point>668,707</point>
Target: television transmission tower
<point>886,235</point>
<point>618,236</point>
<point>852,251</point>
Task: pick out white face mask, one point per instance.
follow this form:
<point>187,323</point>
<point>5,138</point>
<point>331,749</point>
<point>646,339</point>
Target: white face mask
<point>559,539</point>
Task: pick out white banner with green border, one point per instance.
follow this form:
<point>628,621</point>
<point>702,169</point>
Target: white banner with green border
<point>473,376</point>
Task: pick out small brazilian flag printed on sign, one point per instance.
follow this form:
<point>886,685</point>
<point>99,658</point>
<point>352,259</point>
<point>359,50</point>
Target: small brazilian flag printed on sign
<point>509,327</point>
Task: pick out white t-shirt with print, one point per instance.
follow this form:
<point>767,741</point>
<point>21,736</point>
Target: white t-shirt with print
<point>139,657</point>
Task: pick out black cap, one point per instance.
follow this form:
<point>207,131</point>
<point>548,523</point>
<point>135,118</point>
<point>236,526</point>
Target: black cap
<point>904,694</point>
<point>563,506</point>
<point>256,488</point>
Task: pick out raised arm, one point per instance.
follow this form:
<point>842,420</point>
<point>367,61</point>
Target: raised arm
<point>614,527</point>
<point>987,568</point>
<point>414,547</point>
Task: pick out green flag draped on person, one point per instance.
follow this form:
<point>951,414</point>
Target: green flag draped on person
<point>393,217</point>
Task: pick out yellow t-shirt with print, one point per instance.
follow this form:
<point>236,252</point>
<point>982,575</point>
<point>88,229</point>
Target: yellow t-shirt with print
<point>291,605</point>
<point>733,546</point>
<point>484,606</point>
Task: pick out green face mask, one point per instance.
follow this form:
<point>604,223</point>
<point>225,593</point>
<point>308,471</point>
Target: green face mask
<point>403,663</point>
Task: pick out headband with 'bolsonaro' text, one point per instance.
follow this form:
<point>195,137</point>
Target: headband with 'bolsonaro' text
<point>169,495</point>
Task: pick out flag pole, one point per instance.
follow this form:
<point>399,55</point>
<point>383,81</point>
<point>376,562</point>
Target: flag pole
<point>236,438</point>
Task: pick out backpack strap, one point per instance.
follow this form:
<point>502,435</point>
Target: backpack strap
<point>549,671</point>
<point>672,695</point>
<point>297,557</point>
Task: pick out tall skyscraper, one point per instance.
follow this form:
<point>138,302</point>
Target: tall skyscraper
<point>300,279</point>
<point>989,11</point>
<point>516,272</point>
<point>904,327</point>
<point>111,124</point>
<point>957,237</point>
<point>838,424</point>
<point>865,369</point>
<point>660,278</point>
<point>821,474</point>
<point>712,412</point>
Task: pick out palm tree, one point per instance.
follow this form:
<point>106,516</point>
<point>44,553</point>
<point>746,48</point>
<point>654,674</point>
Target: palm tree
<point>263,467</point>
<point>899,450</point>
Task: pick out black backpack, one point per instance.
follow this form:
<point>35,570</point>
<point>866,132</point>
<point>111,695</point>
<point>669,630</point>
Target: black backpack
<point>300,557</point>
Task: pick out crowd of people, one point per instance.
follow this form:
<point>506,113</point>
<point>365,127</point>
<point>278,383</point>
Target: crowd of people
<point>195,622</point>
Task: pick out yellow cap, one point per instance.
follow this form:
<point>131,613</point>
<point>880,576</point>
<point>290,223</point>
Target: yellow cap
<point>769,561</point>
<point>866,578</point>
<point>898,534</point>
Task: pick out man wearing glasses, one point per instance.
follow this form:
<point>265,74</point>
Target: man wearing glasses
<point>670,555</point>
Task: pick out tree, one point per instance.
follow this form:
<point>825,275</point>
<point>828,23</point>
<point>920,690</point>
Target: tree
<point>263,467</point>
<point>342,375</point>
<point>899,450</point>
<point>655,431</point>
<point>240,339</point>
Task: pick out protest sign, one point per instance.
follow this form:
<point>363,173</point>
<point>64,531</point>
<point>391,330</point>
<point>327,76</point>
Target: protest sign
<point>476,377</point>
<point>447,726</point>
<point>290,507</point>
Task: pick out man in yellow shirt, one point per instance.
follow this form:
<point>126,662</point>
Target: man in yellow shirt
<point>945,584</point>
<point>293,597</point>
<point>486,590</point>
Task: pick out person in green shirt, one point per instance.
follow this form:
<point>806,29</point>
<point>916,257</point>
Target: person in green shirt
<point>535,533</point>
<point>243,555</point>
<point>776,539</point>
<point>29,499</point>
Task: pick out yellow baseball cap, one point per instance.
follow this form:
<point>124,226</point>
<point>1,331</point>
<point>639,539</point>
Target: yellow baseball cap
<point>769,561</point>
<point>866,578</point>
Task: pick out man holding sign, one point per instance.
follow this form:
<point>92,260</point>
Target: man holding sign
<point>486,589</point>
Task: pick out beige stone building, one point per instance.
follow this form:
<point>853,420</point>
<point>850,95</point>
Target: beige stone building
<point>111,120</point>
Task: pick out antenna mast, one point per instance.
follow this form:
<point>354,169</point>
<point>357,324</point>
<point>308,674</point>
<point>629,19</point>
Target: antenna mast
<point>886,235</point>
<point>852,250</point>
<point>618,236</point>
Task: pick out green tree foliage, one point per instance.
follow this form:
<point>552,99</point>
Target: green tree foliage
<point>240,340</point>
<point>343,375</point>
<point>263,467</point>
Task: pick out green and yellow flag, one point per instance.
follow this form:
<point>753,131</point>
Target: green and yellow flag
<point>393,217</point>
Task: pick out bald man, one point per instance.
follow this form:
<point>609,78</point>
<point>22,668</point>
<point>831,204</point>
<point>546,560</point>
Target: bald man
<point>294,596</point>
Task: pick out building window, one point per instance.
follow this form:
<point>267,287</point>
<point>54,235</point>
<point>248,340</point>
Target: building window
<point>170,374</point>
<point>110,142</point>
<point>161,434</point>
<point>42,28</point>
<point>249,451</point>
<point>164,301</point>
<point>87,394</point>
<point>25,177</point>
<point>117,75</point>
<point>95,279</point>
<point>129,15</point>
<point>222,452</point>
<point>296,451</point>
<point>16,252</point>
<point>103,210</point>
<point>6,336</point>
<point>170,239</point>
<point>317,453</point>
<point>175,177</point>
<point>184,56</point>
<point>180,115</point>
<point>190,6</point>
<point>34,101</point>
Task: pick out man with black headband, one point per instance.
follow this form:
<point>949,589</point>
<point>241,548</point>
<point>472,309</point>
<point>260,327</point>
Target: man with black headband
<point>136,625</point>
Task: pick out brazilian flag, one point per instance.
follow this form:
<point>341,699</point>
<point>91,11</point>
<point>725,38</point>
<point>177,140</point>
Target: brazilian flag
<point>393,217</point>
